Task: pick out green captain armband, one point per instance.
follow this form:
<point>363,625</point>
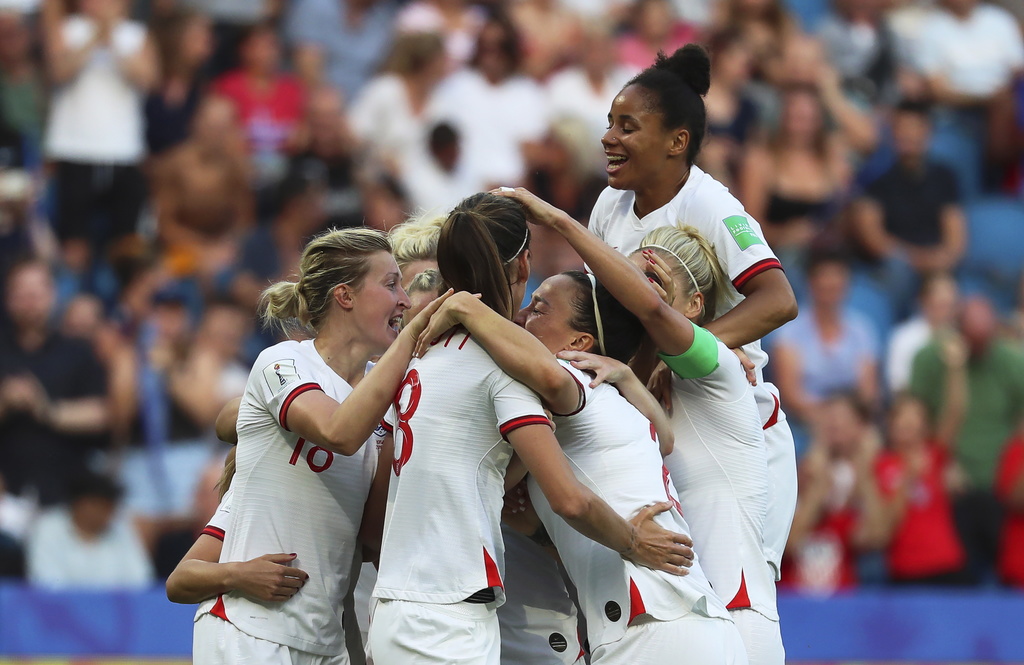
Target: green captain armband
<point>697,361</point>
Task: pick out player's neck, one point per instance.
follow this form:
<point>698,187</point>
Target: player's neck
<point>344,354</point>
<point>649,199</point>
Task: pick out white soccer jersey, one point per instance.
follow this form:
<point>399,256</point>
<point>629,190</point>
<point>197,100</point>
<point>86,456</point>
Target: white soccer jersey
<point>217,528</point>
<point>291,495</point>
<point>442,534</point>
<point>720,469</point>
<point>705,204</point>
<point>612,450</point>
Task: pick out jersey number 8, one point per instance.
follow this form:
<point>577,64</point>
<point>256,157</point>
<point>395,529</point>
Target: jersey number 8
<point>406,401</point>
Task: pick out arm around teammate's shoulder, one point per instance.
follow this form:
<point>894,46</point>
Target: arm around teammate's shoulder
<point>768,304</point>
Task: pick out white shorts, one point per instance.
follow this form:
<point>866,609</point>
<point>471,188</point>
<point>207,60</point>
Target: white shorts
<point>782,487</point>
<point>218,642</point>
<point>690,639</point>
<point>407,633</point>
<point>762,637</point>
<point>537,636</point>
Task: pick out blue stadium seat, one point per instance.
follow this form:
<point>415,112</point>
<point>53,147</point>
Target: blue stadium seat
<point>872,301</point>
<point>995,251</point>
<point>954,145</point>
<point>810,13</point>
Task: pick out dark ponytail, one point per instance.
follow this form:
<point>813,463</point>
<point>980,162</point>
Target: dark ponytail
<point>481,238</point>
<point>621,330</point>
<point>678,84</point>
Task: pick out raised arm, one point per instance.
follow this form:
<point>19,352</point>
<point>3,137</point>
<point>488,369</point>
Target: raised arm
<point>343,428</point>
<point>640,540</point>
<point>520,354</point>
<point>669,329</point>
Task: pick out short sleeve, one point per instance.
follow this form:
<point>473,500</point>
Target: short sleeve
<point>737,237</point>
<point>387,423</point>
<point>598,216</point>
<point>221,520</point>
<point>280,381</point>
<point>697,361</point>
<point>515,405</point>
<point>1012,41</point>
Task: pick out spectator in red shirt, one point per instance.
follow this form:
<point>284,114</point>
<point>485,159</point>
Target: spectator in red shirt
<point>269,102</point>
<point>924,547</point>
<point>839,513</point>
<point>1010,490</point>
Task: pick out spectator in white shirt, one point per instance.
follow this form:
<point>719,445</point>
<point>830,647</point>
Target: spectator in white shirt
<point>88,544</point>
<point>938,301</point>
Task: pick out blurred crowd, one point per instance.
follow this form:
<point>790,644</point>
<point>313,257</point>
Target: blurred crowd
<point>163,160</point>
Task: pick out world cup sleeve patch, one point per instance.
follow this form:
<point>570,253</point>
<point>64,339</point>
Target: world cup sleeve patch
<point>742,232</point>
<point>279,374</point>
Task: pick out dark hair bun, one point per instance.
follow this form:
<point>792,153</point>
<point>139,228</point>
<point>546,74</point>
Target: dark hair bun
<point>690,63</point>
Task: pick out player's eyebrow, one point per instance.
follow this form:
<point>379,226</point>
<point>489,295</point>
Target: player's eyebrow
<point>540,300</point>
<point>393,274</point>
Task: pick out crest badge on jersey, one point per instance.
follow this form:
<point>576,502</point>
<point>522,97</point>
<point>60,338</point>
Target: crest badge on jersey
<point>279,374</point>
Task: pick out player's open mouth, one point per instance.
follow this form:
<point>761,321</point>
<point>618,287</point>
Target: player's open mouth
<point>395,323</point>
<point>615,162</point>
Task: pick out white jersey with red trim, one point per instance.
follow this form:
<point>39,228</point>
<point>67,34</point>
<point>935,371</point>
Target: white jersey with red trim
<point>442,531</point>
<point>291,495</point>
<point>613,451</point>
<point>217,528</point>
<point>720,468</point>
<point>705,204</point>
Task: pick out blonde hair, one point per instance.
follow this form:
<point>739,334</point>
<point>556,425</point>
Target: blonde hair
<point>416,239</point>
<point>685,249</point>
<point>338,256</point>
<point>428,281</point>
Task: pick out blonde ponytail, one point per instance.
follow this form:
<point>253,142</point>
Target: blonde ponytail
<point>693,261</point>
<point>337,256</point>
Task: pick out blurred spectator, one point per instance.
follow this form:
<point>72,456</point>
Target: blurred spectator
<point>909,221</point>
<point>231,20</point>
<point>390,115</point>
<point>938,302</point>
<point>653,27</point>
<point>103,64</point>
<point>202,194</point>
<point>185,42</point>
<point>52,392</point>
<point>766,27</point>
<point>829,348</point>
<point>586,90</point>
<point>969,52</point>
<point>794,184</point>
<point>457,21</point>
<point>341,42</point>
<point>551,35</point>
<point>90,544</point>
<point>732,115</point>
<point>924,547</point>
<point>566,177</point>
<point>498,113</point>
<point>16,200</point>
<point>839,512</point>
<point>1010,488</point>
<point>21,87</point>
<point>995,406</point>
<point>16,516</point>
<point>441,178</point>
<point>269,102</point>
<point>862,47</point>
<point>323,154</point>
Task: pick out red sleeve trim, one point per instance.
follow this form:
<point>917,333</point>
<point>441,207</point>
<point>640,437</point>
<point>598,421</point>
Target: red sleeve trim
<point>754,271</point>
<point>583,398</point>
<point>296,391</point>
<point>522,421</point>
<point>211,530</point>
<point>387,428</point>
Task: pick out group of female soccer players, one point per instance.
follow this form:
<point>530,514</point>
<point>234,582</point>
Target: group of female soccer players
<point>474,451</point>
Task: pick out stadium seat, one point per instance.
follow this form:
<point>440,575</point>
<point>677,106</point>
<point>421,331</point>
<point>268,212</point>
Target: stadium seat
<point>872,301</point>
<point>954,145</point>
<point>810,13</point>
<point>995,261</point>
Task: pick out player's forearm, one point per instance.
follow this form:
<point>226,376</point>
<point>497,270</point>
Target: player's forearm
<point>522,356</point>
<point>88,415</point>
<point>954,406</point>
<point>194,581</point>
<point>769,303</point>
<point>595,519</point>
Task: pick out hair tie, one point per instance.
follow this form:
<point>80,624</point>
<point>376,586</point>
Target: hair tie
<point>597,314</point>
<point>681,262</point>
<point>519,251</point>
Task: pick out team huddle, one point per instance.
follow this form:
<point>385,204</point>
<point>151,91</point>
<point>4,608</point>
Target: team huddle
<point>519,492</point>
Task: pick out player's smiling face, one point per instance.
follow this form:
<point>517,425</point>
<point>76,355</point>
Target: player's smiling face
<point>636,143</point>
<point>549,313</point>
<point>378,304</point>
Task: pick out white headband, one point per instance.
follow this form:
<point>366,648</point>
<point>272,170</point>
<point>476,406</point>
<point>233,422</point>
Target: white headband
<point>519,251</point>
<point>597,315</point>
<point>681,262</point>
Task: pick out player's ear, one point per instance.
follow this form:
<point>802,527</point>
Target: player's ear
<point>582,342</point>
<point>695,308</point>
<point>344,295</point>
<point>679,142</point>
